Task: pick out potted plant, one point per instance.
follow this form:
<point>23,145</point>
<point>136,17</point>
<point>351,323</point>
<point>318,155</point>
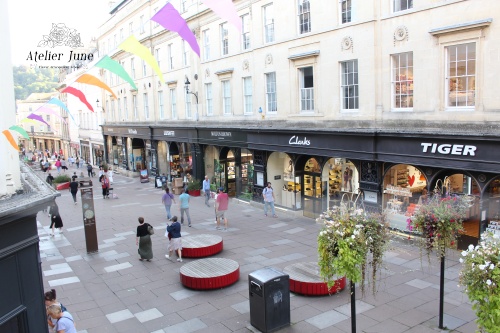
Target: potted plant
<point>61,182</point>
<point>480,276</point>
<point>194,187</point>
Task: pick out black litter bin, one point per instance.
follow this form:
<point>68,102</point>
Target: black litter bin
<point>158,181</point>
<point>269,299</point>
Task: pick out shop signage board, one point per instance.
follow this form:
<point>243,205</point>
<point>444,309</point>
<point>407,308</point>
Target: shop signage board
<point>174,134</point>
<point>138,132</point>
<point>222,136</point>
<point>89,223</point>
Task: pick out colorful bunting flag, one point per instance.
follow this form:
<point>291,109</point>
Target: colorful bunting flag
<point>115,67</point>
<point>20,130</point>
<point>169,18</point>
<point>27,120</point>
<point>45,109</point>
<point>226,10</point>
<point>91,79</point>
<point>38,118</point>
<point>59,103</point>
<point>79,94</point>
<point>11,140</point>
<point>132,45</point>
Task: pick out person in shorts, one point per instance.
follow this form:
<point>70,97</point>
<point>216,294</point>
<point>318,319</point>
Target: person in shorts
<point>175,244</point>
<point>221,205</point>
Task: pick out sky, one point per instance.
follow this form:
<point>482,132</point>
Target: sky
<point>29,20</point>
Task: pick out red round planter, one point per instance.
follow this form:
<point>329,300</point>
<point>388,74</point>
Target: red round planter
<point>194,193</point>
<point>62,186</point>
<point>210,273</point>
<point>198,246</point>
<point>305,280</point>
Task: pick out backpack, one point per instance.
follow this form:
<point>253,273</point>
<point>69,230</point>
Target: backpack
<point>89,167</point>
<point>105,183</point>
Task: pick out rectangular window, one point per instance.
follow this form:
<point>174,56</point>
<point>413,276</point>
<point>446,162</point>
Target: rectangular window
<point>206,45</point>
<point>170,57</point>
<point>157,56</point>
<point>173,104</point>
<point>111,76</point>
<point>144,69</point>
<point>349,85</point>
<point>188,106</point>
<point>132,68</point>
<point>119,106</point>
<point>185,54</point>
<point>121,35</point>
<point>155,24</point>
<point>245,33</point>
<point>271,99</point>
<point>141,24</point>
<point>345,11</point>
<point>107,107</point>
<point>461,75</point>
<point>136,107</point>
<point>183,6</point>
<point>160,104</point>
<point>125,108</point>
<point>115,42</point>
<point>247,95</point>
<point>109,45</point>
<point>402,5</point>
<point>224,39</point>
<point>402,80</point>
<point>306,78</point>
<point>113,115</point>
<point>209,99</point>
<point>146,106</point>
<point>130,28</point>
<point>304,16</point>
<point>48,117</point>
<point>226,97</point>
<point>268,15</point>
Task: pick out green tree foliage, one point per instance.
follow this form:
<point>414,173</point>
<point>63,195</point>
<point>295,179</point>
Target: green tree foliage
<point>33,80</point>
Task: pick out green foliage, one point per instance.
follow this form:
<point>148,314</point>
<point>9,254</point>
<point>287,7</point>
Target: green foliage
<point>29,80</point>
<point>61,179</point>
<point>194,184</point>
<point>481,277</point>
<point>213,187</point>
<point>349,244</point>
<point>439,222</point>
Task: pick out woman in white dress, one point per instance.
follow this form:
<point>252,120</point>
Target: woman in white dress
<point>110,176</point>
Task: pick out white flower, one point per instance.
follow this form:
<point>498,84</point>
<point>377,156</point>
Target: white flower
<point>353,237</point>
<point>488,282</point>
<point>471,247</point>
<point>464,253</point>
<point>482,267</point>
<point>461,260</point>
<point>492,266</point>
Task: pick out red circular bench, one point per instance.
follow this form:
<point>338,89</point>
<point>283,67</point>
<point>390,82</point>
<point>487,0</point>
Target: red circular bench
<point>210,273</point>
<point>305,280</point>
<point>198,246</point>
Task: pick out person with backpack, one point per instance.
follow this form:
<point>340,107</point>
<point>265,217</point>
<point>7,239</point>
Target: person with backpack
<point>50,299</point>
<point>64,319</point>
<point>105,186</point>
<point>89,169</point>
<point>268,194</point>
<point>50,179</point>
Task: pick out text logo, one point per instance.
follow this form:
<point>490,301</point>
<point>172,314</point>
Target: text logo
<point>132,131</point>
<point>61,35</point>
<point>447,149</point>
<point>169,133</point>
<point>214,133</point>
<point>294,140</point>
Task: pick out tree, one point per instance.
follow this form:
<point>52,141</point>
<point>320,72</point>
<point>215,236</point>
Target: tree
<point>33,80</point>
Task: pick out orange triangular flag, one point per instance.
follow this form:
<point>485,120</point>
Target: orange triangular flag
<point>11,139</point>
<point>90,79</point>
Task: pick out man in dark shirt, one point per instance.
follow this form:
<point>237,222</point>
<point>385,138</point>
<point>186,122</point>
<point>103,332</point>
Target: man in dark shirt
<point>73,188</point>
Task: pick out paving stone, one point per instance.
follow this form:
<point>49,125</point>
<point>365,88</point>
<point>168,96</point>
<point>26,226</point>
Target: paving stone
<point>326,319</point>
<point>119,316</point>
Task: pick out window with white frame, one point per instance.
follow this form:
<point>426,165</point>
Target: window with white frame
<point>115,41</point>
<point>224,39</point>
<point>306,81</point>
<point>245,31</point>
<point>271,98</point>
<point>247,95</point>
<point>173,103</point>
<point>170,57</point>
<point>103,49</point>
<point>141,25</point>
<point>135,106</point>
<point>113,115</point>
<point>304,16</point>
<point>226,97</point>
<point>157,56</point>
<point>206,45</point>
<point>121,34</point>
<point>402,80</point>
<point>144,69</point>
<point>160,104</point>
<point>345,11</point>
<point>132,67</point>
<point>183,6</point>
<point>209,99</point>
<point>268,15</point>
<point>109,45</point>
<point>130,28</point>
<point>119,106</point>
<point>155,24</point>
<point>48,117</point>
<point>349,85</point>
<point>461,75</point>
<point>107,107</point>
<point>125,108</point>
<point>402,5</point>
<point>189,114</point>
<point>185,54</point>
<point>146,105</point>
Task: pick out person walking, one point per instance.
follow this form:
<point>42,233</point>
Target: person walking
<point>64,165</point>
<point>73,188</point>
<point>58,165</point>
<point>105,186</point>
<point>77,162</point>
<point>49,179</point>
<point>143,240</point>
<point>109,173</point>
<point>268,194</point>
<point>206,190</point>
<point>184,206</point>
<point>89,169</point>
<point>221,206</point>
<point>64,320</point>
<point>55,218</point>
<point>175,244</point>
<point>167,200</point>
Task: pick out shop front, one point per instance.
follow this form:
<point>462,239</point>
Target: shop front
<point>312,172</point>
<point>417,166</point>
<point>85,150</point>
<point>227,161</point>
<point>97,154</point>
<point>74,149</point>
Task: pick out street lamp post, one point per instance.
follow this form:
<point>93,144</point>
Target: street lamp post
<point>186,85</point>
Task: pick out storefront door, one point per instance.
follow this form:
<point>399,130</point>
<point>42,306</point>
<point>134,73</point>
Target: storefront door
<point>313,189</point>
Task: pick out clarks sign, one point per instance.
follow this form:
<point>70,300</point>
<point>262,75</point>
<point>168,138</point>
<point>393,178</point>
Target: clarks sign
<point>447,149</point>
<point>296,141</point>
